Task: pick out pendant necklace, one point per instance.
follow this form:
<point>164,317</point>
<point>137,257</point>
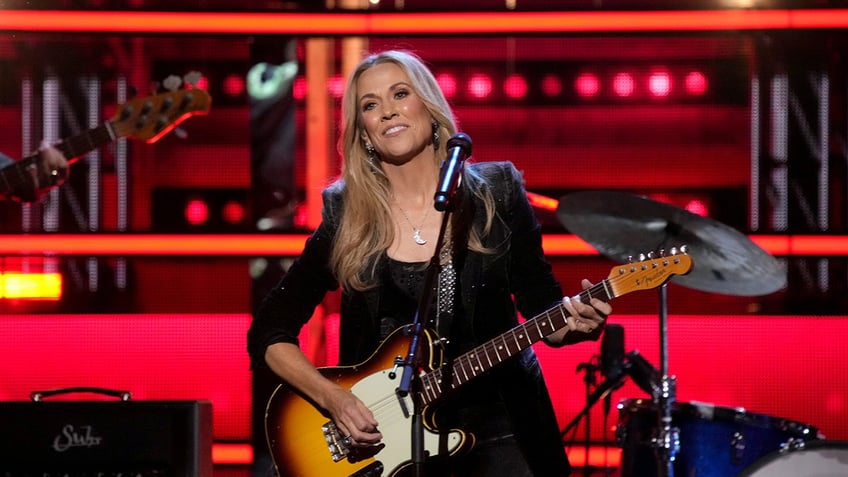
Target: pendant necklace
<point>416,235</point>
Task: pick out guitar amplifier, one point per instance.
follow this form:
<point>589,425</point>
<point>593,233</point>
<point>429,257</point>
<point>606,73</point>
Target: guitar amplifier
<point>106,439</point>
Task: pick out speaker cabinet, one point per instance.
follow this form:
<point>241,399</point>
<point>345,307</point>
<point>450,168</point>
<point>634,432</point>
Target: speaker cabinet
<point>106,439</point>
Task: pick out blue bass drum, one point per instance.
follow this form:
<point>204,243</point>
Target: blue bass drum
<point>714,441</point>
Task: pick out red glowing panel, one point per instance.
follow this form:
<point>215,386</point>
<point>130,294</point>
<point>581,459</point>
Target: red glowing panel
<point>551,86</point>
<point>233,85</point>
<point>624,85</point>
<point>196,211</point>
<point>696,83</point>
<point>659,84</point>
<point>587,85</point>
<point>448,84</point>
<point>515,86</point>
<point>154,356</point>
<point>480,86</point>
<point>764,365</point>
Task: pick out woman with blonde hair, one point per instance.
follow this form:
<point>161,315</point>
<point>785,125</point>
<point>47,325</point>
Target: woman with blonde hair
<point>376,241</point>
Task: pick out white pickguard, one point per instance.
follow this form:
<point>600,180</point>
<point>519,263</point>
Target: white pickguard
<point>377,391</point>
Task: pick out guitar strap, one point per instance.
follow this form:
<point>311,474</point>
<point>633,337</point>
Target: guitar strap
<point>445,296</point>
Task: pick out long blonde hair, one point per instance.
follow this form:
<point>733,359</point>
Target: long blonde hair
<point>366,229</point>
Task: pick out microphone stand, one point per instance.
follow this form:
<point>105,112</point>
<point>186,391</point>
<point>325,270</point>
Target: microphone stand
<point>411,365</point>
<point>667,443</point>
<point>590,381</point>
<point>609,385</point>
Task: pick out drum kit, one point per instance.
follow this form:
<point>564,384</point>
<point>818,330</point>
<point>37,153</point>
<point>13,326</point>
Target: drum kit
<point>663,437</point>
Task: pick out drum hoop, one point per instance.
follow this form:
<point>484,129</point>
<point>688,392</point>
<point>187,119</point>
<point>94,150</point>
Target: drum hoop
<point>814,445</point>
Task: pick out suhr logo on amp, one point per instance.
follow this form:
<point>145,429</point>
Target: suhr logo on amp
<point>70,437</point>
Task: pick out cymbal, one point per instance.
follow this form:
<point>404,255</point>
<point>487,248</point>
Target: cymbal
<point>621,225</point>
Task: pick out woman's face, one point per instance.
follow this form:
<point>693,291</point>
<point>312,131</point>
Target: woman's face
<point>394,118</point>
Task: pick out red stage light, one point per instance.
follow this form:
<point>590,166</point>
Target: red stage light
<point>202,83</point>
<point>299,88</point>
<point>587,85</point>
<point>233,212</point>
<point>696,83</point>
<point>624,85</point>
<point>448,84</point>
<point>233,85</point>
<point>196,211</point>
<point>480,86</point>
<point>659,84</point>
<point>336,86</point>
<point>515,86</point>
<point>698,207</point>
<point>551,86</point>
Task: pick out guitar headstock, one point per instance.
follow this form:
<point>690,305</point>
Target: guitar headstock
<point>149,118</point>
<point>651,272</point>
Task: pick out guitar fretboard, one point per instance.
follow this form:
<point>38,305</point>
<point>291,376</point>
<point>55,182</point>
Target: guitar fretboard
<point>493,352</point>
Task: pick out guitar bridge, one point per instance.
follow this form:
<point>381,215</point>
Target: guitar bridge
<point>337,444</point>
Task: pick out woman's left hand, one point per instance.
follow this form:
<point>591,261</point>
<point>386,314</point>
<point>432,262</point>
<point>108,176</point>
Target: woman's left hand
<point>585,321</point>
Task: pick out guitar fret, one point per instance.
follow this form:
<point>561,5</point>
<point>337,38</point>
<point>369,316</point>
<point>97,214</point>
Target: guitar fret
<point>488,357</point>
<point>462,368</point>
<point>607,291</point>
<point>515,338</point>
<point>506,345</point>
<point>480,366</point>
<point>496,351</point>
<point>564,316</point>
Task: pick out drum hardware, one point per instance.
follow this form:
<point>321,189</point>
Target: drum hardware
<point>714,441</point>
<point>620,225</point>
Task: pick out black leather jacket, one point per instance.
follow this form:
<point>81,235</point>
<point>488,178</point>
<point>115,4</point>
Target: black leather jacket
<point>515,277</point>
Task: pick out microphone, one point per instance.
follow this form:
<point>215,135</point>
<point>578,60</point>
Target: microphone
<point>612,352</point>
<point>645,375</point>
<point>459,148</point>
<point>612,360</point>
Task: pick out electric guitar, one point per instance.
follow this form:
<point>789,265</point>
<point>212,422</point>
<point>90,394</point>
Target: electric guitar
<point>147,118</point>
<point>304,442</point>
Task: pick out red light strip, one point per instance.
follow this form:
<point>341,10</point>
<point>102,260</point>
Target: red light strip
<point>292,244</point>
<point>232,454</point>
<point>418,23</point>
<point>599,456</point>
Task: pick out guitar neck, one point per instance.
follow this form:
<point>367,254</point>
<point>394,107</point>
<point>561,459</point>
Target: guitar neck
<point>493,352</point>
<point>78,145</point>
<point>73,147</point>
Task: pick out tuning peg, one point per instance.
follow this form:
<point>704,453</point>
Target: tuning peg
<point>172,83</point>
<point>193,78</point>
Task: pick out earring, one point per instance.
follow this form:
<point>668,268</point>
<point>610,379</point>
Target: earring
<point>372,153</point>
<point>436,136</point>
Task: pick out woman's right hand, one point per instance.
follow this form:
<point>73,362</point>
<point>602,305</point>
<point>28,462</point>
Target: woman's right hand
<point>352,417</point>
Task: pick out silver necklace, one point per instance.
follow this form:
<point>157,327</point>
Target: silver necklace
<point>416,231</point>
